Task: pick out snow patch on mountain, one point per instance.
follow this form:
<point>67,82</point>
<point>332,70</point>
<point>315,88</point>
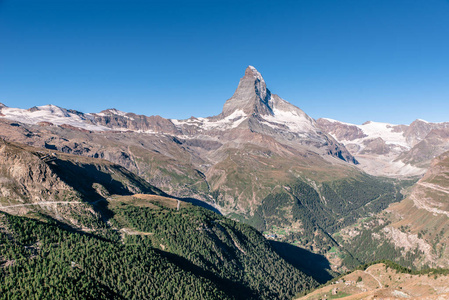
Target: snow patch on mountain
<point>385,131</point>
<point>374,130</point>
<point>49,113</point>
<point>340,122</point>
<point>112,111</point>
<point>229,122</point>
<point>293,120</point>
<point>256,73</point>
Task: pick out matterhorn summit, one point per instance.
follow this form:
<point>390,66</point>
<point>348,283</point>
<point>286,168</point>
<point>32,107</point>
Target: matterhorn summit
<point>251,95</point>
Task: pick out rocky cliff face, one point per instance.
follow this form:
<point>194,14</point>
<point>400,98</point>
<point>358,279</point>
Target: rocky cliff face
<point>254,111</point>
<point>117,120</point>
<point>251,96</point>
<point>26,178</point>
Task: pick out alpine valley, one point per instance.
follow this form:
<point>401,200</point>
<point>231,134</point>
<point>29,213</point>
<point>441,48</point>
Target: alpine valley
<point>258,202</point>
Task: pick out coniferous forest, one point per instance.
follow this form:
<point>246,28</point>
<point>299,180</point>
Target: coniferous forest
<point>152,252</point>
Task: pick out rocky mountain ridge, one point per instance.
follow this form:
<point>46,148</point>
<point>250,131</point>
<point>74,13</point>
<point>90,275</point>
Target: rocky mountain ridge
<point>60,185</point>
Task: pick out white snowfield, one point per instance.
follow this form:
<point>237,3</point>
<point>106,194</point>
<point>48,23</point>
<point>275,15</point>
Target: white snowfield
<point>375,130</point>
<point>384,131</point>
<point>294,120</point>
<point>231,121</point>
<point>50,113</point>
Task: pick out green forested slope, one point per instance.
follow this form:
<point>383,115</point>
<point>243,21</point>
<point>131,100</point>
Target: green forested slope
<point>229,250</point>
<point>48,262</point>
<point>151,251</point>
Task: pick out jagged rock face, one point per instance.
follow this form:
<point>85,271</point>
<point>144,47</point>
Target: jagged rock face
<point>40,175</point>
<point>434,143</point>
<point>117,120</point>
<point>376,146</point>
<point>251,96</point>
<point>254,110</point>
<point>418,130</point>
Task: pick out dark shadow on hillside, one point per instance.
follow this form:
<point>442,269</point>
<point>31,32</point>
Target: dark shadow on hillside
<point>200,203</point>
<point>235,289</point>
<point>102,207</point>
<point>81,177</point>
<point>312,264</point>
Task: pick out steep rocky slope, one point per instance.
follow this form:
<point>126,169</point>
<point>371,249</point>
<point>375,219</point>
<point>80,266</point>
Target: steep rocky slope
<point>61,185</point>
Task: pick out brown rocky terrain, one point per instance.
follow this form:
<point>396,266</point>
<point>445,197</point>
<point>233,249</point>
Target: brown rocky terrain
<point>381,282</point>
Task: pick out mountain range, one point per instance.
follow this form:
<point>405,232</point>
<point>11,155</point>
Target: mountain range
<point>254,115</point>
<point>314,188</point>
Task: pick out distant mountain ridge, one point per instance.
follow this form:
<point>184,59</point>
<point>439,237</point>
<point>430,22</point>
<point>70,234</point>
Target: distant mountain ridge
<point>252,107</point>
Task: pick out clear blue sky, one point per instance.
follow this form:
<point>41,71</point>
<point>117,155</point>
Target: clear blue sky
<point>354,61</point>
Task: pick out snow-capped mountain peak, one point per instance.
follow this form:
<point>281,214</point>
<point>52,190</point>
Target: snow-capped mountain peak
<point>50,109</point>
<point>111,111</point>
<point>288,116</point>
